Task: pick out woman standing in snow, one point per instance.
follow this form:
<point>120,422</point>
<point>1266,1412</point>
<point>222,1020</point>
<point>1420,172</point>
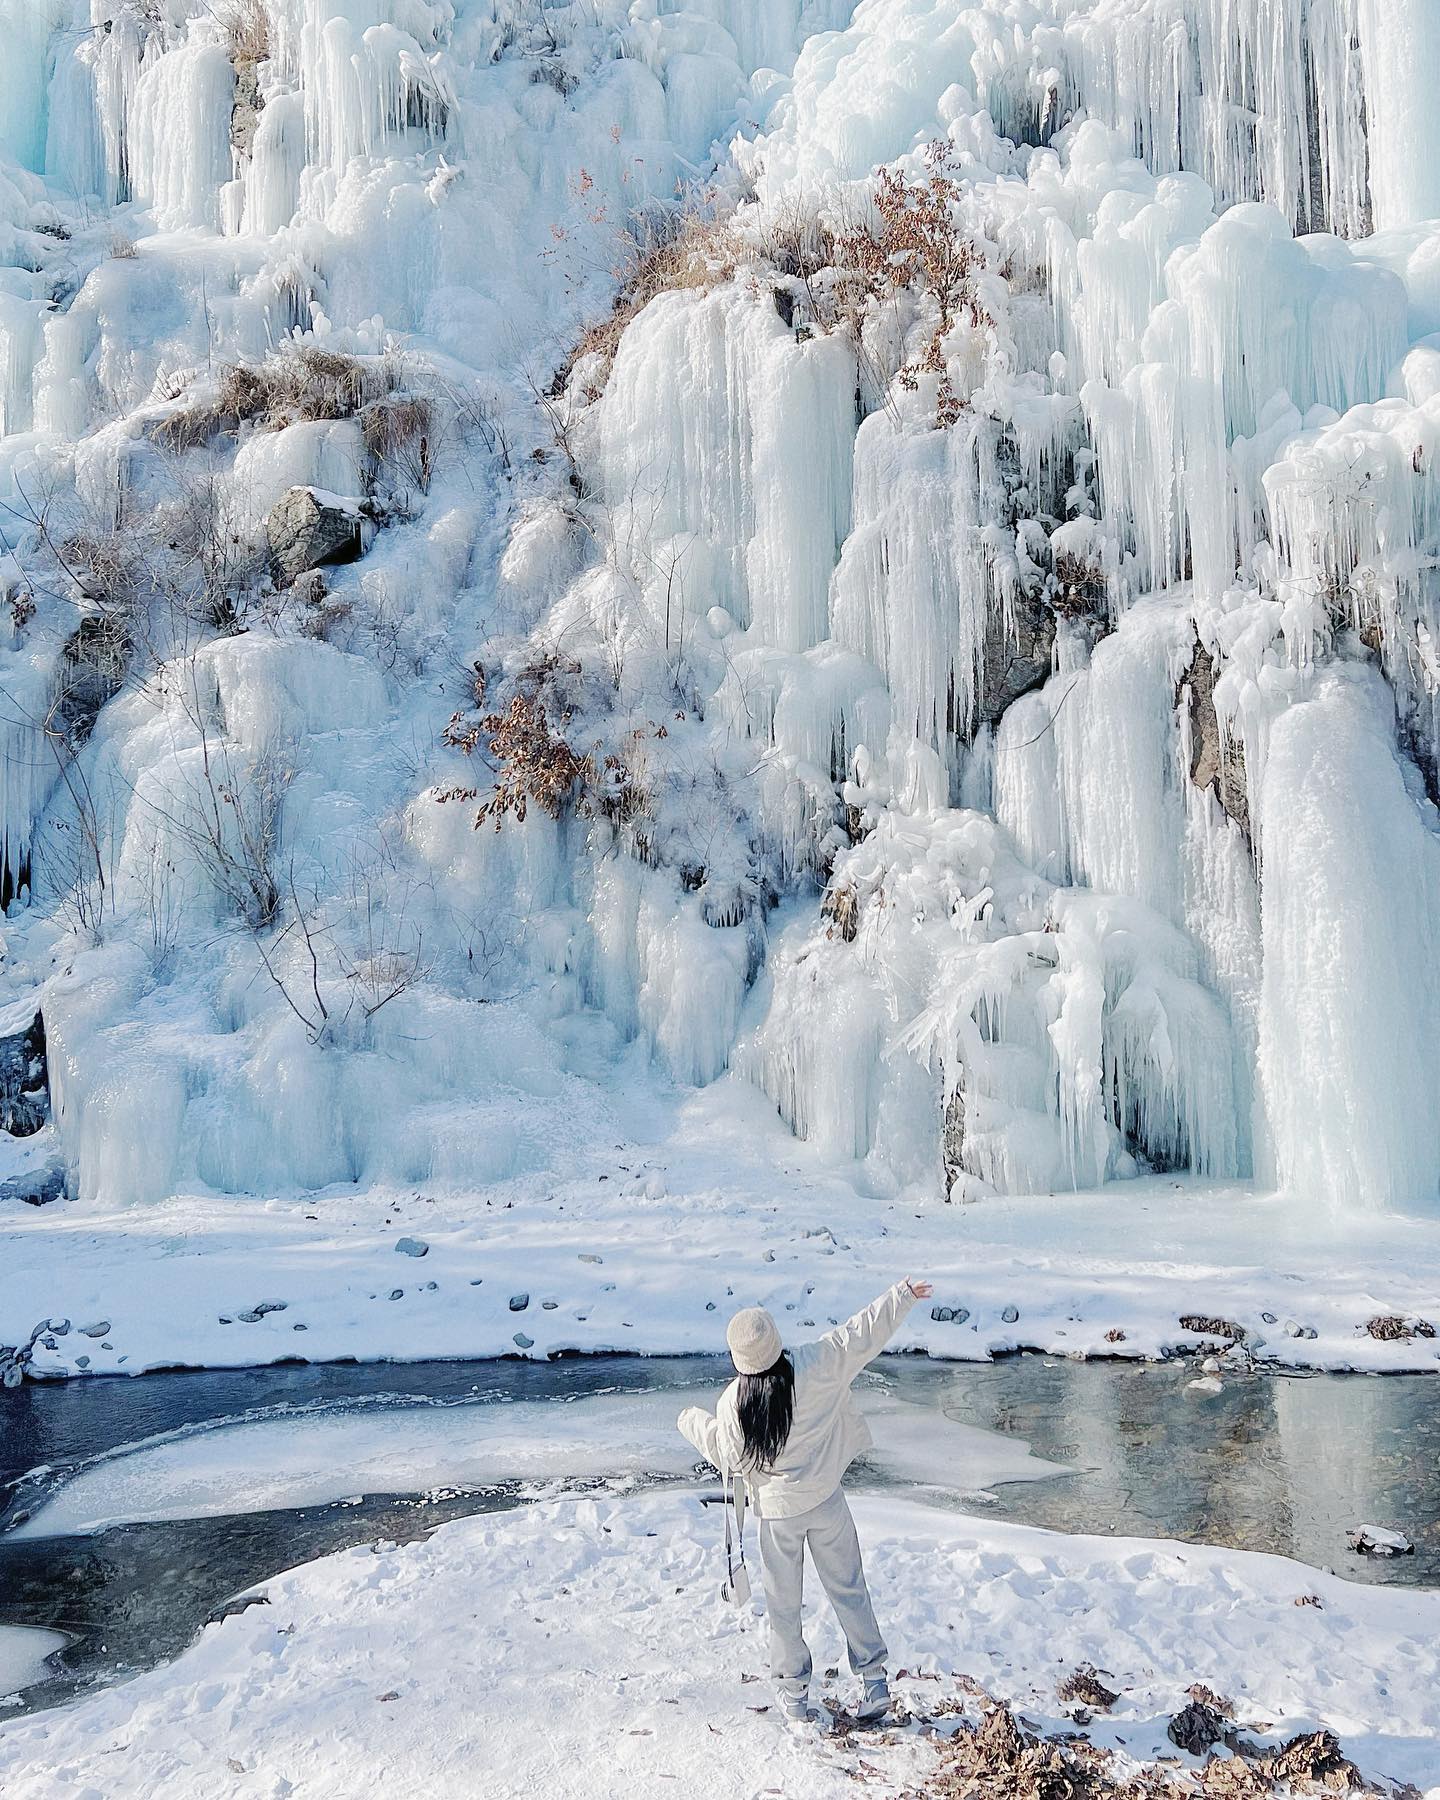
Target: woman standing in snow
<point>789,1426</point>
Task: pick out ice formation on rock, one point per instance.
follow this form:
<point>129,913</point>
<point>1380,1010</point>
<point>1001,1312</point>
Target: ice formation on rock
<point>999,719</point>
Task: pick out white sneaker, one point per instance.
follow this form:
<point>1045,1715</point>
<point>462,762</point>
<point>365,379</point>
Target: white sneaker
<point>874,1702</point>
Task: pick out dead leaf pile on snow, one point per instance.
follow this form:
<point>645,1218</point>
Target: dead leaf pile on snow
<point>1003,1757</point>
<point>1391,1328</point>
<point>1083,1687</point>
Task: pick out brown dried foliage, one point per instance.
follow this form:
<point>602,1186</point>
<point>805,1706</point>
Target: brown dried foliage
<point>535,764</point>
<point>247,31</point>
<point>914,243</point>
<point>700,253</point>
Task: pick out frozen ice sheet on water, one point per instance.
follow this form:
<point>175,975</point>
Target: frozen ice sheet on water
<point>308,1459</point>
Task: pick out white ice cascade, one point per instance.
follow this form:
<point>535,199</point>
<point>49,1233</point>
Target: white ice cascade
<point>1016,754</point>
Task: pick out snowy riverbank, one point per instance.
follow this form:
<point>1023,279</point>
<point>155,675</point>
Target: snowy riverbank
<point>647,1245</point>
<point>578,1649</point>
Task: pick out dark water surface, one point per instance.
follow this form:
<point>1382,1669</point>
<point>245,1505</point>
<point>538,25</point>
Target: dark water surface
<point>1279,1463</point>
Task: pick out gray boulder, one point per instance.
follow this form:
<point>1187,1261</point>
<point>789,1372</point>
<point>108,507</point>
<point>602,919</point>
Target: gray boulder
<point>24,1074</point>
<point>36,1187</point>
<point>1221,768</point>
<point>308,528</point>
<point>1017,656</point>
<point>91,668</point>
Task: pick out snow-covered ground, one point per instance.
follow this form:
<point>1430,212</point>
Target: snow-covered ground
<point>577,1650</point>
<point>648,1245</point>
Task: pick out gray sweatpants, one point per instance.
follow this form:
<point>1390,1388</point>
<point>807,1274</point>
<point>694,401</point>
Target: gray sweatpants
<point>829,1531</point>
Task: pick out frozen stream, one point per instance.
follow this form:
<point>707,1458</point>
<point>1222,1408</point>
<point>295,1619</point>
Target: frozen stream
<point>132,1510</point>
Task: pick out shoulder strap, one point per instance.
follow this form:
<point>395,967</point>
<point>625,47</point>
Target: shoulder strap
<point>734,1498</point>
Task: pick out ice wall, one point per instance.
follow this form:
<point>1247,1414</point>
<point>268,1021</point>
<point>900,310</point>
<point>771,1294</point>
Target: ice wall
<point>970,728</point>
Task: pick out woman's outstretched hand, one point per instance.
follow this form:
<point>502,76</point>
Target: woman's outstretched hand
<point>922,1290</point>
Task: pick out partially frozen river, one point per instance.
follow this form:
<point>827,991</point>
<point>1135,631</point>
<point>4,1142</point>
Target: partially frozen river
<point>133,1509</point>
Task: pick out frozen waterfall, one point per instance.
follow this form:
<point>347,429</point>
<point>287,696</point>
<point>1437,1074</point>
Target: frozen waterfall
<point>987,675</point>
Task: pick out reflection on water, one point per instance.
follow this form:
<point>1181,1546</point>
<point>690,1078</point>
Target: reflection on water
<point>1282,1464</point>
<point>1285,1464</point>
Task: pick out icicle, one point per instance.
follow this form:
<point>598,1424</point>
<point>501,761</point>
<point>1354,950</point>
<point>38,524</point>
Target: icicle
<point>180,134</point>
<point>1351,885</point>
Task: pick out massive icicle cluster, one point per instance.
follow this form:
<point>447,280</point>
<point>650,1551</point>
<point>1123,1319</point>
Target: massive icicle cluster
<point>955,646</point>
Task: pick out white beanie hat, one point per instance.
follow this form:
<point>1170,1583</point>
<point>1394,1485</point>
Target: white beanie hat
<point>754,1340</point>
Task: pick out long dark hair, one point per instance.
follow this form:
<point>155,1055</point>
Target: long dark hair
<point>766,1405</point>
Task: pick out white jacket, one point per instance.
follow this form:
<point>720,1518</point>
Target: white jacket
<point>827,1433</point>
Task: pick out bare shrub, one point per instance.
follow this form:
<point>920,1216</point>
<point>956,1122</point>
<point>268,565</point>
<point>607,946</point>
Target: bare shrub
<point>122,248</point>
<point>1080,587</point>
<point>660,254</point>
<point>551,72</point>
<point>797,242</point>
<point>247,31</point>
<point>913,243</point>
<point>400,430</point>
<point>535,764</point>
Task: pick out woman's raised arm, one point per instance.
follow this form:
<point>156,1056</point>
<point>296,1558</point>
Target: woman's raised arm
<point>859,1339</point>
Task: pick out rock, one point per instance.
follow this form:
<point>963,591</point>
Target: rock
<point>841,905</point>
<point>1196,1729</point>
<point>710,1306</point>
<point>96,1330</point>
<point>61,1327</point>
<point>518,1302</point>
<point>1208,1385</point>
<point>1269,1318</point>
<point>1203,1325</point>
<point>1292,1330</point>
<point>268,1306</point>
<point>308,527</point>
<point>396,1294</point>
<point>24,1087</point>
<point>412,1246</point>
<point>952,1143</point>
<point>1010,1315</point>
<point>549,1305</point>
<point>82,1362</point>
<point>1114,1335</point>
<point>950,1315</point>
<point>246,107</point>
<point>36,1187</point>
<point>1378,1540</point>
<point>1210,1366</point>
<point>1219,768</point>
<point>525,1343</point>
<point>1017,654</point>
<point>249,1318</point>
<point>227,1609</point>
<point>590,1259</point>
<point>90,671</point>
